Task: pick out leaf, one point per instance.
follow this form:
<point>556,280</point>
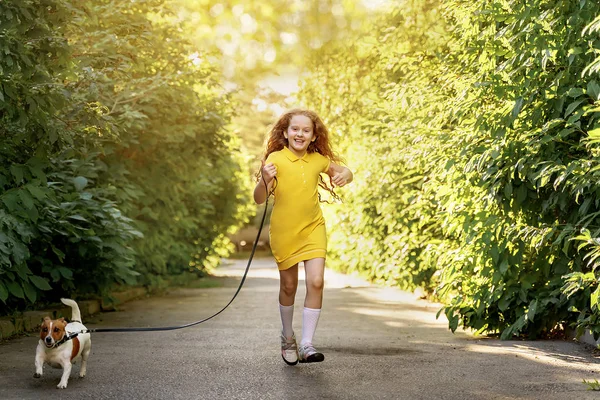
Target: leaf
<point>521,194</point>
<point>507,333</point>
<point>437,315</point>
<point>65,272</point>
<point>17,173</point>
<point>22,271</point>
<point>593,89</point>
<point>36,166</point>
<point>591,27</point>
<point>30,292</point>
<point>503,266</point>
<point>571,107</point>
<point>15,289</point>
<point>40,282</point>
<point>594,299</point>
<point>532,310</point>
<point>59,253</point>
<point>591,68</point>
<point>508,190</point>
<point>36,192</point>
<point>575,92</point>
<point>495,253</point>
<point>481,330</point>
<point>33,214</point>
<point>3,292</point>
<point>26,199</point>
<point>453,322</point>
<point>80,183</point>
<point>55,275</point>
<point>11,200</point>
<point>78,218</point>
<point>504,302</point>
<point>594,133</point>
<point>516,109</point>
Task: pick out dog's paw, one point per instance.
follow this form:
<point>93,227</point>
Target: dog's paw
<point>36,375</point>
<point>61,386</point>
<point>82,375</point>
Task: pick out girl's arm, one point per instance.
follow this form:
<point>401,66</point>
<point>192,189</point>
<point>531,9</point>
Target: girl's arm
<point>269,172</point>
<point>339,174</point>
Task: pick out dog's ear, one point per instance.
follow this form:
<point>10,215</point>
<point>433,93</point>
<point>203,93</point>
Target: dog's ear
<point>46,319</point>
<point>61,319</point>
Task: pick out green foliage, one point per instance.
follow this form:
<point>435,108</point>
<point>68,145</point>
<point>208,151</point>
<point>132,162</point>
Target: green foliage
<point>472,128</point>
<point>52,226</point>
<point>110,132</point>
<point>257,37</point>
<point>374,127</point>
<point>592,385</point>
<point>164,103</point>
<point>525,148</point>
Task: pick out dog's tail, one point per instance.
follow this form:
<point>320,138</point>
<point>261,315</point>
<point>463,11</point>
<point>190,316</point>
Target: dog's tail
<point>75,313</point>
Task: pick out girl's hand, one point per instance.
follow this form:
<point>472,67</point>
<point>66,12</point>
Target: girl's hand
<point>342,178</point>
<point>269,171</point>
<point>339,175</point>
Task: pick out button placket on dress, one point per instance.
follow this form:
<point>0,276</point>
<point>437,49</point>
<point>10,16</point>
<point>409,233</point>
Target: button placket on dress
<point>303,176</point>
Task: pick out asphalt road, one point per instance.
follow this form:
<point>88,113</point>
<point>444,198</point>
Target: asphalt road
<point>378,344</point>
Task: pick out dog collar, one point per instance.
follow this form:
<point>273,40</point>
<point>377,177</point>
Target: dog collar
<point>65,339</point>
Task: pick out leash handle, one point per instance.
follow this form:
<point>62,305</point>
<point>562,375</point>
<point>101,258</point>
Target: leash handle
<point>171,328</point>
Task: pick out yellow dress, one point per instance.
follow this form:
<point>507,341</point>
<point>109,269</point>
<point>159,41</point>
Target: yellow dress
<point>297,231</point>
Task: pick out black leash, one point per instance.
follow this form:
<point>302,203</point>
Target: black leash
<point>172,328</point>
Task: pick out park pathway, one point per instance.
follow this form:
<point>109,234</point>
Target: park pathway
<point>378,344</point>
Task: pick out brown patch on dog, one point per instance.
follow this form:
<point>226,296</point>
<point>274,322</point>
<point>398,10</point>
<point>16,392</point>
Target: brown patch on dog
<point>58,329</point>
<point>76,345</point>
<point>45,327</point>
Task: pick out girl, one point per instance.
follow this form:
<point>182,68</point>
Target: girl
<point>298,151</point>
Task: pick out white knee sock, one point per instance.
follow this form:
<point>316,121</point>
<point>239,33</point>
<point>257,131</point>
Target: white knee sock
<point>287,316</point>
<point>310,318</point>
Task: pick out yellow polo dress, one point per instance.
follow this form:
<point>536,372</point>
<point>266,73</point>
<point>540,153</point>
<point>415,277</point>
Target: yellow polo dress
<point>297,230</point>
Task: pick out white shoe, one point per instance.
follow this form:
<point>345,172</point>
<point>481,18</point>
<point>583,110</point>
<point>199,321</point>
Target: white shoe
<point>308,354</point>
<point>289,350</point>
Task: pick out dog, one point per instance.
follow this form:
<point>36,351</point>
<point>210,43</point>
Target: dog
<point>61,344</point>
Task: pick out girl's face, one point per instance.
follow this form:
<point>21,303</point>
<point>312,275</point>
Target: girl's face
<point>299,134</point>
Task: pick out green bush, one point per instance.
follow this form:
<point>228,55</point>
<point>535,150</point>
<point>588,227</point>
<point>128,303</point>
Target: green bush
<point>472,128</point>
<point>54,227</point>
<point>116,167</point>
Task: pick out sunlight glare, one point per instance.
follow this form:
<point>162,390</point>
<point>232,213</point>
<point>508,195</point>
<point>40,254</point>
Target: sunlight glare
<point>270,55</point>
<point>374,4</point>
<point>260,104</point>
<point>288,38</point>
<point>249,24</point>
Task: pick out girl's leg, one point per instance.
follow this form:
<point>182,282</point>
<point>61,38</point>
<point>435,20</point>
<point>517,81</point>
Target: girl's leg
<point>314,270</point>
<point>288,284</point>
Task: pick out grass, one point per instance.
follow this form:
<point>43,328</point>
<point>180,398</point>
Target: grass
<point>595,385</point>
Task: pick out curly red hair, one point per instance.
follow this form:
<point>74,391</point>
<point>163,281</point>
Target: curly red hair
<point>277,141</point>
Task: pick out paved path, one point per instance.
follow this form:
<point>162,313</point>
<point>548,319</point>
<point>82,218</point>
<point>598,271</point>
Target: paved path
<point>378,343</point>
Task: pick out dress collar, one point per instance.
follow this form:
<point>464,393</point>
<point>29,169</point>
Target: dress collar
<point>292,157</point>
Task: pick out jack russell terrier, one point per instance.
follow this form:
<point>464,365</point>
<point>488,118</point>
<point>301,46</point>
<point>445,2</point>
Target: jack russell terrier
<point>61,344</point>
